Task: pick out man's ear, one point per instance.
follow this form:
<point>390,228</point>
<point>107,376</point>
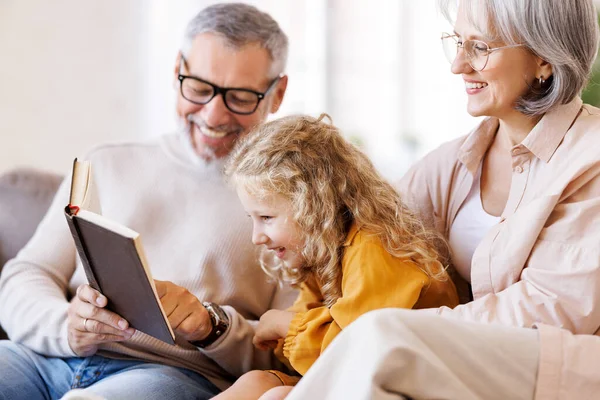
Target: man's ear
<point>176,70</point>
<point>279,94</point>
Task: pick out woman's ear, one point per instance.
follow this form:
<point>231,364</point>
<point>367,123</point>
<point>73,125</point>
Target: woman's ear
<point>544,69</point>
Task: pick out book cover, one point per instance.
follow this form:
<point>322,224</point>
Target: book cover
<point>113,259</point>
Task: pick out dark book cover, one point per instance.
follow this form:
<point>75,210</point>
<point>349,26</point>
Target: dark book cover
<point>114,266</point>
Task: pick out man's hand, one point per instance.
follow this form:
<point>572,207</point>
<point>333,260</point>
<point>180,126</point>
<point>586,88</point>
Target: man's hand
<point>187,316</point>
<point>89,324</point>
<point>273,325</point>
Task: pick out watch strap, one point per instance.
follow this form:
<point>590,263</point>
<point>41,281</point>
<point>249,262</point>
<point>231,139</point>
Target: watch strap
<point>219,321</point>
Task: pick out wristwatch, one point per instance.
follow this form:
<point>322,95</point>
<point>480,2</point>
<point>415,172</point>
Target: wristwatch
<point>220,323</point>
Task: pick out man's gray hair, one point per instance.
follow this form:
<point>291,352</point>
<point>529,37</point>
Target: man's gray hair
<point>241,24</point>
<point>562,32</point>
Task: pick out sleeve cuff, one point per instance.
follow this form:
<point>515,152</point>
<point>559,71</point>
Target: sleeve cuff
<point>296,326</point>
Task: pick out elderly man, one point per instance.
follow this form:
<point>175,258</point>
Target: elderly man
<point>197,238</point>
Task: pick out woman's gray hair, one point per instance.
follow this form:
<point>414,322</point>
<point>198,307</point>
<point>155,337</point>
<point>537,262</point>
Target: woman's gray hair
<point>562,32</point>
<point>241,24</point>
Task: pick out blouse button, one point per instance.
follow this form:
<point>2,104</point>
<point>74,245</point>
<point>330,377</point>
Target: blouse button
<point>518,169</point>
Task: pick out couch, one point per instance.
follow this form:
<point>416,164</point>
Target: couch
<point>25,195</point>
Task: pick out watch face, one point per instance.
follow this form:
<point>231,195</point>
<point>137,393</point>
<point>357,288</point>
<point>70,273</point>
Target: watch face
<point>220,314</point>
<point>217,313</point>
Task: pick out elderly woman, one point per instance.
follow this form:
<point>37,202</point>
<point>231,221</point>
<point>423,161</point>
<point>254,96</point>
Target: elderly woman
<point>519,201</point>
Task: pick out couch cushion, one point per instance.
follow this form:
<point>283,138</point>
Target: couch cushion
<point>25,195</point>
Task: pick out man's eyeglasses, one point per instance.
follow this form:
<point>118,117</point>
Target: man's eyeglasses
<point>477,51</point>
<point>237,100</point>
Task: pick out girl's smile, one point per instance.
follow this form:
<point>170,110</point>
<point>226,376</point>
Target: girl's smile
<point>274,226</point>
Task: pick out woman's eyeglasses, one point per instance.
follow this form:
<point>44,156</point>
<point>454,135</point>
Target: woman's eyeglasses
<point>477,51</point>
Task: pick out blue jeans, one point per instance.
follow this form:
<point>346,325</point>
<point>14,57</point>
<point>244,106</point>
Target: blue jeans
<point>25,374</point>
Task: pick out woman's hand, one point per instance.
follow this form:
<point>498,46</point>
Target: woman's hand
<point>273,325</point>
<point>89,324</point>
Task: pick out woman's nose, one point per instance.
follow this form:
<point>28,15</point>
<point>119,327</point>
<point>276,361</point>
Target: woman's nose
<point>461,64</point>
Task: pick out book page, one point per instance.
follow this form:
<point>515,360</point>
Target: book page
<point>107,223</point>
<point>83,189</point>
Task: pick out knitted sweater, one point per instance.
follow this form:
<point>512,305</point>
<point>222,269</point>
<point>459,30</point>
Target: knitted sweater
<point>195,234</point>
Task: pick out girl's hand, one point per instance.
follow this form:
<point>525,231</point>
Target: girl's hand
<point>273,325</point>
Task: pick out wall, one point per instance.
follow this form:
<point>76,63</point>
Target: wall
<point>74,74</point>
<point>77,73</point>
<point>71,75</point>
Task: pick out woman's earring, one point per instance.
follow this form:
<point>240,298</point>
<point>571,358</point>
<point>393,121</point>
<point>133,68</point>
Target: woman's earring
<point>542,80</point>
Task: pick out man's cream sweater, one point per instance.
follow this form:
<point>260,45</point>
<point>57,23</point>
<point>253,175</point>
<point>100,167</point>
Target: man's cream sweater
<point>194,233</point>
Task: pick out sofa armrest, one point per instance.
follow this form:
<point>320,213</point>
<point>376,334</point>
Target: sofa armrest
<point>25,195</point>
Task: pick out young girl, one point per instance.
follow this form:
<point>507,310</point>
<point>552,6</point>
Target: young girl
<point>330,224</point>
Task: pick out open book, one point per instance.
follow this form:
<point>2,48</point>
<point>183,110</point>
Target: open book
<point>113,259</point>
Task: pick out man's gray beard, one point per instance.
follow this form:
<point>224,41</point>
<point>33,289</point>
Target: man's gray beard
<point>184,126</point>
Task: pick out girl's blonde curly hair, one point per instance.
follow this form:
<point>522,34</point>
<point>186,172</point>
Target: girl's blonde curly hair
<point>330,185</point>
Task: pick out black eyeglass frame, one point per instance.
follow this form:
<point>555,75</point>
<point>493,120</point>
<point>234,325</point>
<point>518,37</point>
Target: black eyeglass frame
<point>223,91</point>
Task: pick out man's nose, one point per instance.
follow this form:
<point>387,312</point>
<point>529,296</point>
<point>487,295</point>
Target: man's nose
<point>215,113</point>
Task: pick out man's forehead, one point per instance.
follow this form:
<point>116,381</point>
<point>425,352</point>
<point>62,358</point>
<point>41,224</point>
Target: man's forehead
<point>212,58</point>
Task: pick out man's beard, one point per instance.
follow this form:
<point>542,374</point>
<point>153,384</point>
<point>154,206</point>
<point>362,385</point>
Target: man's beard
<point>186,125</point>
